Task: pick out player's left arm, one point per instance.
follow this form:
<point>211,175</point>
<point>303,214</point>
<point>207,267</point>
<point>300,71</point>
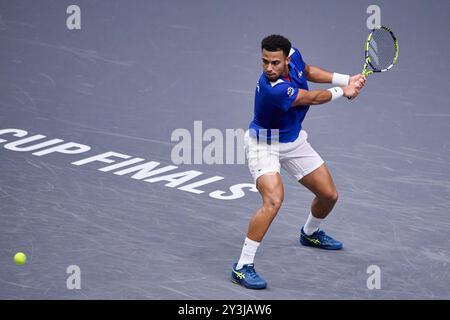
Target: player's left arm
<point>319,75</point>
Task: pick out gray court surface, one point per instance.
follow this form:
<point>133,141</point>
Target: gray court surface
<point>138,70</point>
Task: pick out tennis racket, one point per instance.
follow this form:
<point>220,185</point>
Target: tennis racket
<point>381,51</point>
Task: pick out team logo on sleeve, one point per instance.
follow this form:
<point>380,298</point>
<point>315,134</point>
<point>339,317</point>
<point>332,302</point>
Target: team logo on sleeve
<point>290,91</point>
<point>300,73</point>
<point>257,86</point>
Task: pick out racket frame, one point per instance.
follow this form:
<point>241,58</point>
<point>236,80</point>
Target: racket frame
<point>368,62</point>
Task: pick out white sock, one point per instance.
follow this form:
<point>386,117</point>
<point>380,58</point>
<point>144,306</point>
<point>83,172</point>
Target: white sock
<point>248,253</point>
<point>311,225</point>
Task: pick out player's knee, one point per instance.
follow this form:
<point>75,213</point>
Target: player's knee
<point>273,207</point>
<point>273,203</point>
<point>330,196</point>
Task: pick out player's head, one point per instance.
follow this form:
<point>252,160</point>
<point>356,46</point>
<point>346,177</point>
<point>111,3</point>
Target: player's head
<point>275,56</point>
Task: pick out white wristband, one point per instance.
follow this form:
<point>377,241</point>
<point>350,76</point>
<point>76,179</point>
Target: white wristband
<point>340,79</point>
<point>336,93</point>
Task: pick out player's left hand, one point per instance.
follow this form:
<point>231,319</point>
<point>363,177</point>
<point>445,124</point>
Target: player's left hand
<point>358,81</point>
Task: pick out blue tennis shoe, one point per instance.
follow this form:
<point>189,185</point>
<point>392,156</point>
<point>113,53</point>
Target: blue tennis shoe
<point>320,239</point>
<point>247,277</point>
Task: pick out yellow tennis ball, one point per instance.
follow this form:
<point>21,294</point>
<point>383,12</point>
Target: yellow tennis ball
<point>20,258</point>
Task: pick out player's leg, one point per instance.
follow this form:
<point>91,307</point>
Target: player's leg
<point>264,165</point>
<point>305,164</point>
<point>321,184</point>
<point>271,188</point>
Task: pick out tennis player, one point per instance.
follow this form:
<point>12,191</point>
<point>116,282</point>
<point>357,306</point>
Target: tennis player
<point>275,140</point>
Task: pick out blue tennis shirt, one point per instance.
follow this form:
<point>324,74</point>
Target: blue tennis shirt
<point>273,102</point>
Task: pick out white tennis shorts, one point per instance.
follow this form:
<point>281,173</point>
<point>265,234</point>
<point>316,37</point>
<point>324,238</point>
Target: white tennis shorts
<point>298,158</point>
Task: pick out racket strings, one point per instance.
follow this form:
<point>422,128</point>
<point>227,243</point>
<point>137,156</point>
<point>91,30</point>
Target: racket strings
<point>381,49</point>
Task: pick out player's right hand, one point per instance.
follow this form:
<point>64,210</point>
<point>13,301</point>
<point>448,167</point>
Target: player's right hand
<point>359,80</point>
<point>351,91</point>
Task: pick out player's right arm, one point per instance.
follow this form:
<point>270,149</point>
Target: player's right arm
<point>315,97</point>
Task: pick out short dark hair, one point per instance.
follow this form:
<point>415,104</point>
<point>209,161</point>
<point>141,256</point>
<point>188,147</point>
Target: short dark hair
<point>275,42</point>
